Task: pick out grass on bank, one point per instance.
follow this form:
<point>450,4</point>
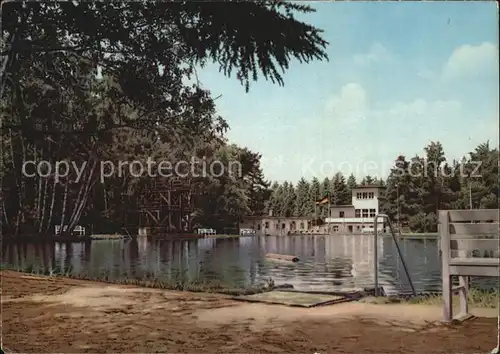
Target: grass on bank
<point>476,299</point>
<point>149,280</point>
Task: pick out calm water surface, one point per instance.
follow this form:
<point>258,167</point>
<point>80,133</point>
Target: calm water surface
<point>326,262</point>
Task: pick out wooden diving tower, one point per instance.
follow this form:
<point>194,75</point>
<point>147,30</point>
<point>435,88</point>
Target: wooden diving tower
<point>165,206</point>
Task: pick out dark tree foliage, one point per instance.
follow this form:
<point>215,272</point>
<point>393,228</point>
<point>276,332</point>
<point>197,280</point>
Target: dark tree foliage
<point>418,188</point>
<point>132,39</point>
<point>94,81</point>
<point>340,194</point>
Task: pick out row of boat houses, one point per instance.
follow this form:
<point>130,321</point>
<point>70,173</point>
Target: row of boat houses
<point>358,217</point>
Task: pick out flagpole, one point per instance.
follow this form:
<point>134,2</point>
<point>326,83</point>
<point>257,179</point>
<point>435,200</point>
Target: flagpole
<point>315,210</point>
<point>328,213</point>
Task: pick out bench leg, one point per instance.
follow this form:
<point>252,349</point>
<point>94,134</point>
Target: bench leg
<point>447,299</point>
<point>464,290</point>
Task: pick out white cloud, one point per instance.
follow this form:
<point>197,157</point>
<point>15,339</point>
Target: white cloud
<point>426,73</point>
<point>367,133</point>
<point>351,104</point>
<point>469,61</point>
<point>421,109</point>
<point>376,53</point>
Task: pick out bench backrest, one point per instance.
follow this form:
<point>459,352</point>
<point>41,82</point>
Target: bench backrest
<point>79,230</point>
<point>206,231</point>
<point>470,236</point>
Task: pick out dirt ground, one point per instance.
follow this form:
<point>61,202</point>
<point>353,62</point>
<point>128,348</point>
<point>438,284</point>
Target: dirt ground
<point>48,315</point>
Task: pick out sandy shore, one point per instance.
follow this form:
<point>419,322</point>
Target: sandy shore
<point>47,315</point>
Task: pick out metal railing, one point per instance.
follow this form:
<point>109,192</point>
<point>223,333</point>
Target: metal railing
<point>375,253</point>
<point>129,237</point>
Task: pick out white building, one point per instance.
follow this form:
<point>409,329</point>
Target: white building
<point>359,216</point>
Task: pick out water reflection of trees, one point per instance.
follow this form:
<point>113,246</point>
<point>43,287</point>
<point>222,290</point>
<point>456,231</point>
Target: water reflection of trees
<point>190,260</point>
<point>239,261</point>
<point>228,261</point>
<point>40,256</point>
<point>67,261</point>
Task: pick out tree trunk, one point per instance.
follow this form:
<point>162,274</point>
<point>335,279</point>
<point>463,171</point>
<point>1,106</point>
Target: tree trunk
<point>54,189</point>
<point>23,183</point>
<point>105,198</point>
<point>83,200</point>
<point>38,210</point>
<point>44,195</point>
<point>63,213</point>
<point>75,206</point>
<point>44,204</point>
<point>18,187</point>
<point>49,219</point>
<point>4,215</point>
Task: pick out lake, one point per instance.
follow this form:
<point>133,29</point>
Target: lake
<point>327,262</point>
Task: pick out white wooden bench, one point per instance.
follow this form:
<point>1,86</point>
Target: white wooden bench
<point>469,242</point>
<point>78,230</point>
<point>207,232</point>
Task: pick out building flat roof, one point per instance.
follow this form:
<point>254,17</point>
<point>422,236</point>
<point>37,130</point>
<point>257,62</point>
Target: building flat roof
<point>369,186</point>
<point>350,220</point>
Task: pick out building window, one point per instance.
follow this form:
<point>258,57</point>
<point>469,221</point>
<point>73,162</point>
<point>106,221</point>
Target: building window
<point>267,225</point>
<point>372,213</point>
<point>277,226</point>
<point>283,226</point>
<point>301,225</point>
<point>358,195</point>
<point>258,227</point>
<point>335,228</point>
<point>357,213</point>
<point>371,195</point>
<point>365,213</point>
<point>365,195</point>
<point>341,214</point>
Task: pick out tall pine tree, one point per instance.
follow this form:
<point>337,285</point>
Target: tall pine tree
<point>340,193</point>
<point>324,192</point>
<point>289,199</point>
<point>314,195</point>
<point>351,184</point>
<point>302,198</point>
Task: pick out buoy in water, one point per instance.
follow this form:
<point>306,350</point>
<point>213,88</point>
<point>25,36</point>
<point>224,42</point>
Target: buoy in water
<point>282,257</point>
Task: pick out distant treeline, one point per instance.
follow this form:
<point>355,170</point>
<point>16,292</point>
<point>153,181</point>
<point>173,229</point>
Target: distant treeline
<point>423,184</point>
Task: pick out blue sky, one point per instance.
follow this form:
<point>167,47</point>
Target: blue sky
<point>399,76</point>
